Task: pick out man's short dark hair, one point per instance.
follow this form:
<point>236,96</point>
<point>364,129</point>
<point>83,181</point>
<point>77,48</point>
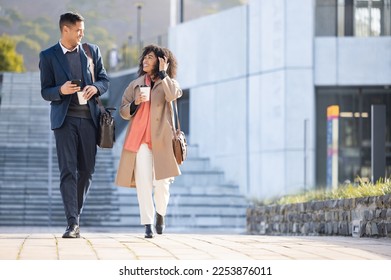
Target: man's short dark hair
<point>70,18</point>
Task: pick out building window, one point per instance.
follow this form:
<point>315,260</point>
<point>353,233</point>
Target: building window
<point>326,18</point>
<point>361,18</point>
<point>370,17</point>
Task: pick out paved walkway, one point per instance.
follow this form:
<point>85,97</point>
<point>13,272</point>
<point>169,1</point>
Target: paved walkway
<point>47,244</point>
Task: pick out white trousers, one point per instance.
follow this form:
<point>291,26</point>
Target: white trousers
<point>152,194</point>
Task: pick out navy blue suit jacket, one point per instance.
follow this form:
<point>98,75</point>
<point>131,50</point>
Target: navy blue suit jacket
<point>55,71</point>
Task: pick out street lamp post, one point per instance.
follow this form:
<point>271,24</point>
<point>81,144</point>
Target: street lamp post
<point>139,6</point>
<point>129,52</point>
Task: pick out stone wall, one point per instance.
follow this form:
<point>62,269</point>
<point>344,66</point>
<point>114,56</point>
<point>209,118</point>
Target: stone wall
<point>359,217</point>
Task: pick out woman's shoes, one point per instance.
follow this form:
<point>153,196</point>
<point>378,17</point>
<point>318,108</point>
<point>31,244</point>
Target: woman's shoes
<point>148,231</point>
<point>159,223</point>
<point>159,226</point>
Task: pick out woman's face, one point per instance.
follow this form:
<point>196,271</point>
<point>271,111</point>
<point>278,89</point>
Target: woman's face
<point>149,62</point>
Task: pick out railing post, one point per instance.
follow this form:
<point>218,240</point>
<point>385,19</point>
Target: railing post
<point>50,168</point>
<point>378,142</point>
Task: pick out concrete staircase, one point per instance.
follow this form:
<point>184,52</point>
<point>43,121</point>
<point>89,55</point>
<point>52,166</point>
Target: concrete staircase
<point>29,176</point>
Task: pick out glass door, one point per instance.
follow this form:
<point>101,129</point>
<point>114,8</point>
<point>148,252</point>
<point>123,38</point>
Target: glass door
<point>354,153</point>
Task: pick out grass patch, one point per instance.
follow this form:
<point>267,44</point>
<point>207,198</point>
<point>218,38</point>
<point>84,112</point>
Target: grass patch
<point>361,189</point>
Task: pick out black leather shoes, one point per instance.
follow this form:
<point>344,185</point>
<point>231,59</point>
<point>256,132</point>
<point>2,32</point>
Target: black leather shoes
<point>72,231</point>
<point>159,223</point>
<point>148,231</point>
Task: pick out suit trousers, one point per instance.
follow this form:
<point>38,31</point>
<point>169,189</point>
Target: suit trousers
<point>151,193</point>
<point>76,152</point>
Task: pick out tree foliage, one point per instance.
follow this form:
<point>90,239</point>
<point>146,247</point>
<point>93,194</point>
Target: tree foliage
<point>10,60</point>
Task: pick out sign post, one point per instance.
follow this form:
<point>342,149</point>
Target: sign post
<point>332,146</point>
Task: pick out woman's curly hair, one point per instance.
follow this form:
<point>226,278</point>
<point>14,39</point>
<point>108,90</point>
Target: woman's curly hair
<point>159,52</point>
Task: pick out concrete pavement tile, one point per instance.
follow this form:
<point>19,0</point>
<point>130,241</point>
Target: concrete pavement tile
<point>286,252</point>
<point>152,252</point>
<point>45,252</point>
<point>192,256</point>
<point>358,254</point>
<point>75,249</point>
<point>230,256</point>
<point>235,247</point>
<point>10,246</point>
<point>9,252</point>
<point>114,254</point>
<point>145,258</point>
<point>147,250</point>
<point>269,256</point>
<point>38,243</point>
<point>42,256</point>
<point>324,250</point>
<point>352,248</point>
<point>216,250</point>
<point>69,257</point>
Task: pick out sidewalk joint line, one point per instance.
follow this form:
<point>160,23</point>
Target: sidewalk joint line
<point>21,247</point>
<point>92,247</point>
<point>57,250</point>
<point>126,247</point>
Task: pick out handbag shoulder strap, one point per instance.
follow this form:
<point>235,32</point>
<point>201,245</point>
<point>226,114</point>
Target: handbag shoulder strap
<point>174,114</point>
<point>177,115</point>
<point>92,67</point>
<point>91,64</point>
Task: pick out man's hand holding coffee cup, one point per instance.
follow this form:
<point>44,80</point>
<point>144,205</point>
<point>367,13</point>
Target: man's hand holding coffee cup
<point>86,94</point>
<point>89,91</point>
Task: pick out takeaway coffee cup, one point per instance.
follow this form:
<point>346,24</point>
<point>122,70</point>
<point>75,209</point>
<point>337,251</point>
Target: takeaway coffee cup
<point>145,91</point>
<point>82,100</point>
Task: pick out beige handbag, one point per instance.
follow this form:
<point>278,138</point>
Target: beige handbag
<point>179,143</point>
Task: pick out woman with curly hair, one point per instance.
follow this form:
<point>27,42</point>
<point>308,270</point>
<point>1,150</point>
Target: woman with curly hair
<point>147,159</point>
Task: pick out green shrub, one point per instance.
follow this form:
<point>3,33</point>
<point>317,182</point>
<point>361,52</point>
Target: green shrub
<point>362,189</point>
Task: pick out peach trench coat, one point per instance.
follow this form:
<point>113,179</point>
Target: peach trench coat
<point>163,92</point>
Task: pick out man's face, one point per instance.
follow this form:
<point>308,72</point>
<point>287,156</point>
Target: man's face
<point>72,34</point>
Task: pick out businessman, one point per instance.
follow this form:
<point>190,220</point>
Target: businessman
<point>67,82</point>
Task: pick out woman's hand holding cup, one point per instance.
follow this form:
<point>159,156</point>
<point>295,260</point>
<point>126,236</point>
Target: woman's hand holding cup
<point>144,95</point>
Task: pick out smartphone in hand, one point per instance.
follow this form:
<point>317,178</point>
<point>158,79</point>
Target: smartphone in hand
<point>76,82</point>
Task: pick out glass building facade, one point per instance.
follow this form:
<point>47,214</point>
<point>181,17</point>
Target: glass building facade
<point>359,19</point>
